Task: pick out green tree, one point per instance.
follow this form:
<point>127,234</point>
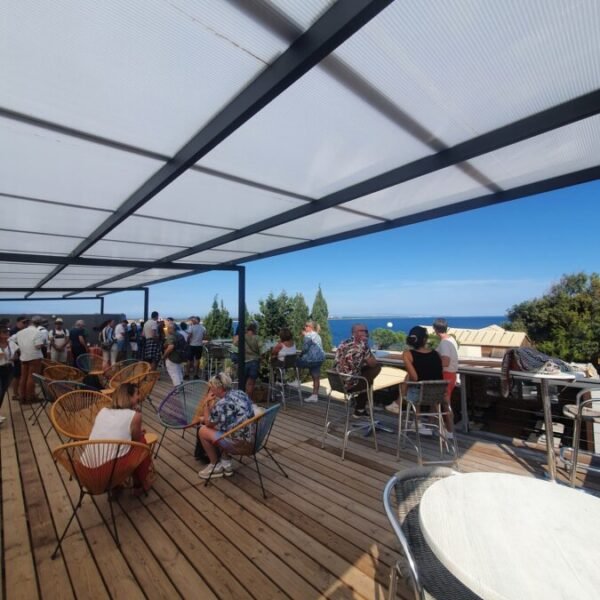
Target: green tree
<point>298,318</point>
<point>564,322</point>
<point>218,322</point>
<point>274,314</point>
<point>320,314</point>
<point>384,338</point>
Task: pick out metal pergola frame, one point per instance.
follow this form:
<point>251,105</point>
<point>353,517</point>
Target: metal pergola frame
<point>306,50</point>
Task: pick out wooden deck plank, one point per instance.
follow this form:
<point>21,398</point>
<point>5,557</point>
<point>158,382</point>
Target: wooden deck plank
<point>321,532</point>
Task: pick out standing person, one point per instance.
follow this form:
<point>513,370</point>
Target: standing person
<point>59,341</point>
<point>7,353</point>
<point>252,351</point>
<point>197,332</point>
<point>448,351</point>
<point>78,339</point>
<point>312,356</point>
<point>134,335</point>
<point>21,323</point>
<point>173,354</point>
<point>152,346</point>
<point>225,408</point>
<point>43,329</point>
<point>354,357</point>
<point>30,341</point>
<point>119,352</point>
<point>107,342</point>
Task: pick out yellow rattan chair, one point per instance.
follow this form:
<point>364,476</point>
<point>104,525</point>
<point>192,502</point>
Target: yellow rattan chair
<point>99,466</point>
<point>73,414</point>
<point>63,373</point>
<point>133,370</point>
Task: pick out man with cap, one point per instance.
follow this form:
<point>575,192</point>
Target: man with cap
<point>58,339</point>
<point>30,341</point>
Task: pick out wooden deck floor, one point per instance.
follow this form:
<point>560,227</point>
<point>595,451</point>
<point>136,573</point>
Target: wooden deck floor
<point>321,533</point>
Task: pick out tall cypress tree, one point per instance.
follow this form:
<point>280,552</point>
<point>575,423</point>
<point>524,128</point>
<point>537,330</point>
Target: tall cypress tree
<point>320,314</point>
<point>298,318</point>
<point>218,322</point>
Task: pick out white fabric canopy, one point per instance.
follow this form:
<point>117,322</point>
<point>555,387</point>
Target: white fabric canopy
<point>146,140</point>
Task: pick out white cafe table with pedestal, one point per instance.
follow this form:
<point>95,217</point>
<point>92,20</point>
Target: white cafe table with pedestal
<point>509,537</point>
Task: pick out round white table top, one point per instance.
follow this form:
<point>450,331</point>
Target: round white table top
<point>511,537</point>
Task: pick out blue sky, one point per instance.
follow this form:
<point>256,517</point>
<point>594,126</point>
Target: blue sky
<point>475,263</point>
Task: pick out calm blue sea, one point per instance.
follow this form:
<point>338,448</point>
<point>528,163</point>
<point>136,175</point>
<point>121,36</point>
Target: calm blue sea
<point>340,328</point>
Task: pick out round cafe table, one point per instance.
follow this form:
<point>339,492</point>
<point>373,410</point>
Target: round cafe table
<point>508,537</point>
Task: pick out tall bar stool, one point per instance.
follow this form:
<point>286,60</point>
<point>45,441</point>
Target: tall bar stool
<point>277,378</point>
<point>216,359</point>
<point>585,410</point>
<point>426,399</point>
<point>337,383</point>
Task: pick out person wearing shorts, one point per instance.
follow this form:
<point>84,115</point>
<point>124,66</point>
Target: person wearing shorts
<point>312,356</point>
<point>252,351</point>
<point>224,409</point>
<point>448,351</point>
<point>196,335</point>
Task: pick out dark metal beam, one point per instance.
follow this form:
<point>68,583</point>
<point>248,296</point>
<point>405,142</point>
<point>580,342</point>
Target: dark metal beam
<point>101,306</point>
<point>530,189</point>
<point>45,299</point>
<point>546,120</point>
<point>241,328</point>
<point>65,289</point>
<point>95,262</point>
<point>146,303</point>
<point>339,23</point>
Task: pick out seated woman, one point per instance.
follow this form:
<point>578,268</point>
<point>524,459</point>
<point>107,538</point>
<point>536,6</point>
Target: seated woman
<point>312,356</point>
<point>224,409</point>
<point>124,422</point>
<point>422,364</point>
<point>285,347</point>
<point>252,351</point>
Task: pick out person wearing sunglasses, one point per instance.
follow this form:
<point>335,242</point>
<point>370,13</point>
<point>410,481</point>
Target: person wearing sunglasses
<point>224,409</point>
<point>354,357</point>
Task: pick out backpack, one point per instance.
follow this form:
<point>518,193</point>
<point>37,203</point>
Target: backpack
<point>180,345</point>
<point>104,343</point>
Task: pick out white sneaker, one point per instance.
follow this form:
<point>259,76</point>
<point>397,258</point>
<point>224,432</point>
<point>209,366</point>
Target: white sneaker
<point>294,383</point>
<point>211,471</point>
<point>312,398</point>
<point>227,467</point>
<point>425,430</point>
<point>394,407</point>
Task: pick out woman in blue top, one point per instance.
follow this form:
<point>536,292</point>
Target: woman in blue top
<point>312,356</point>
<point>224,409</point>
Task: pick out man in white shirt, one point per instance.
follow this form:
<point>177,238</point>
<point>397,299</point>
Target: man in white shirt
<point>448,351</point>
<point>30,341</point>
<point>119,350</point>
<point>196,336</point>
<point>59,341</point>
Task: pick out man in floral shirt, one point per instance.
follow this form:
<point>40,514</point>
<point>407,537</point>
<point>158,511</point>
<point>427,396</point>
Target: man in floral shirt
<point>224,410</point>
<point>354,357</point>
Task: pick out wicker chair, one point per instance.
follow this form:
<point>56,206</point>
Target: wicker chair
<point>261,425</point>
<point>42,382</point>
<point>47,362</point>
<point>111,371</point>
<point>73,414</point>
<point>99,466</point>
<point>145,383</point>
<point>56,389</point>
<point>127,372</point>
<point>63,373</point>
<point>428,398</point>
<point>428,578</point>
<point>182,407</point>
<point>90,363</point>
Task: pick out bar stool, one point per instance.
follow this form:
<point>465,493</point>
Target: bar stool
<point>583,411</point>
<point>216,359</point>
<point>337,383</point>
<point>278,384</point>
<point>425,399</point>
